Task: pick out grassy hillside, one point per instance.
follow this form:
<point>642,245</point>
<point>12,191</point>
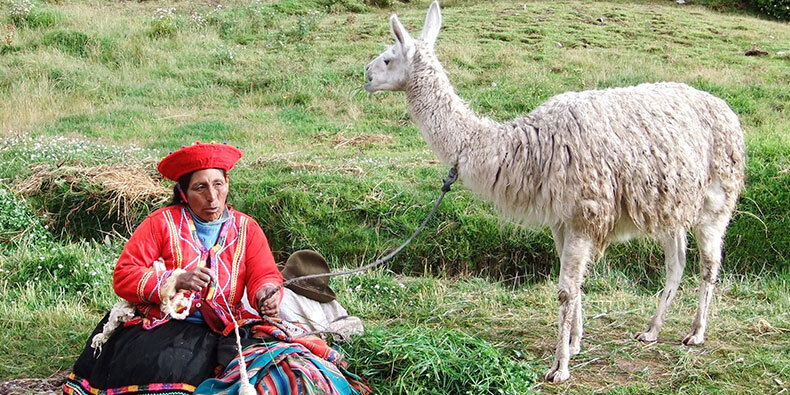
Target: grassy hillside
<point>93,93</point>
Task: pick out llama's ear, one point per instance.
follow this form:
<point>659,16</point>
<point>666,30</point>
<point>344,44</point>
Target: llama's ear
<point>433,22</point>
<point>401,35</point>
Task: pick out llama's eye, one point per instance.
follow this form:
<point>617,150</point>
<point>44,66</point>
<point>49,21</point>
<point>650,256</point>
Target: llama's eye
<point>386,62</point>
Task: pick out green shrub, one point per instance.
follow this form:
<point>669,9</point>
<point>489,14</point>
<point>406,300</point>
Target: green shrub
<point>778,9</point>
<point>20,226</point>
<point>164,23</point>
<point>19,11</point>
<point>436,361</point>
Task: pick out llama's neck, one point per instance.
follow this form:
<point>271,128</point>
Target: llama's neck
<point>449,126</point>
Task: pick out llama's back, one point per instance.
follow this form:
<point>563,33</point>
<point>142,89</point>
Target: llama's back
<point>646,155</point>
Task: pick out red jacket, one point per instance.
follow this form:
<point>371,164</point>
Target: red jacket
<point>244,260</point>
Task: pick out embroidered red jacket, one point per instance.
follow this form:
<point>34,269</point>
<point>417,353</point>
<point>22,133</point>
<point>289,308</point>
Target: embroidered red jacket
<point>244,259</point>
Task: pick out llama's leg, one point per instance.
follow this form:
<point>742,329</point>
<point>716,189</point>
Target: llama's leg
<point>675,260</point>
<point>710,237</point>
<point>558,234</point>
<point>577,327</point>
<point>577,250</point>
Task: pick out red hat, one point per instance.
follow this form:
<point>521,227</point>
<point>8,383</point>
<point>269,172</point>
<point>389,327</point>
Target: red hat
<point>197,157</point>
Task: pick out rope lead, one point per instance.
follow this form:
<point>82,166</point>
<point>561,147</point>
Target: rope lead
<point>452,176</point>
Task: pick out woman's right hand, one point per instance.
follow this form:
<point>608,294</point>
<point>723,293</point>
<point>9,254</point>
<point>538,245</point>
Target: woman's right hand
<point>195,279</point>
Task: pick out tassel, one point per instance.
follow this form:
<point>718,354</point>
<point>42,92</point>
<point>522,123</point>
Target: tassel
<point>246,388</point>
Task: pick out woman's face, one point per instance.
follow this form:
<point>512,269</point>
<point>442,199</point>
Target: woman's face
<point>207,193</point>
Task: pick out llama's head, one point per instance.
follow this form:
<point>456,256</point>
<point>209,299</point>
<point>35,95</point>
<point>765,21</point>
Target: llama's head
<point>390,71</point>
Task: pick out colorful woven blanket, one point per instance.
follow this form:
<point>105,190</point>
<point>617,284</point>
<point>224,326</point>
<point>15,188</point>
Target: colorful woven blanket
<point>288,362</point>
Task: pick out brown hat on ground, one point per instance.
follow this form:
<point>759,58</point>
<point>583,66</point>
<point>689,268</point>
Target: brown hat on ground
<point>305,262</point>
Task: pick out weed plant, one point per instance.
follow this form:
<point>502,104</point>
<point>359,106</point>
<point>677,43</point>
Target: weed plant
<point>430,360</point>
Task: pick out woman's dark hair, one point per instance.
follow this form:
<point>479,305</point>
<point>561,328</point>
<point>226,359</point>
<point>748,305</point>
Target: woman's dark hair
<point>184,183</point>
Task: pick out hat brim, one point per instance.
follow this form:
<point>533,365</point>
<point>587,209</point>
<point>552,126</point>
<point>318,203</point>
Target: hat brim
<point>304,263</point>
<point>324,295</point>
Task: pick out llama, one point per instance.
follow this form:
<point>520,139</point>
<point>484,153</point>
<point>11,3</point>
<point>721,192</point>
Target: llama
<point>596,167</point>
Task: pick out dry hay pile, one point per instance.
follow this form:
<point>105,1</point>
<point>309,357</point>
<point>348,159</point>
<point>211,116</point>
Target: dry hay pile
<point>115,190</point>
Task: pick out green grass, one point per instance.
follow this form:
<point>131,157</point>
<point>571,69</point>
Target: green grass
<point>86,83</point>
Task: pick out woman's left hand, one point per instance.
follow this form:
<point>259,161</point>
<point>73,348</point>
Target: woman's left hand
<point>270,306</point>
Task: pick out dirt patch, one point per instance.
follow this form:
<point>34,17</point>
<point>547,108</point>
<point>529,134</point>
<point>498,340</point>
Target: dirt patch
<point>362,140</point>
<point>308,166</point>
<point>50,385</point>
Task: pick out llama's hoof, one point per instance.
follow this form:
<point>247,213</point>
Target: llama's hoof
<point>693,340</point>
<point>574,349</point>
<point>556,375</point>
<point>647,337</point>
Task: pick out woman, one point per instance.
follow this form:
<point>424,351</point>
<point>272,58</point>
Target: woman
<point>185,269</point>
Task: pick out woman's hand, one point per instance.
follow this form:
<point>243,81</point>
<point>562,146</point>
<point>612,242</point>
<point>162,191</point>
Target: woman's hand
<point>269,307</point>
<point>195,279</point>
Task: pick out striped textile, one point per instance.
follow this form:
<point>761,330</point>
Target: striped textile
<point>285,368</point>
<point>286,364</point>
<point>78,386</point>
<point>292,332</point>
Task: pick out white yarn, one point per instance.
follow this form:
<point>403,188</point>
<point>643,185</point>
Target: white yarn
<point>246,388</point>
<point>174,301</point>
<point>122,311</point>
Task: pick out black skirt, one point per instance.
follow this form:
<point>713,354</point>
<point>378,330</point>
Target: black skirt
<point>172,358</point>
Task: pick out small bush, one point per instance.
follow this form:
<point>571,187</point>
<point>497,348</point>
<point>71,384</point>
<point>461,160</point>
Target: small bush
<point>20,10</point>
<point>164,23</point>
<point>305,25</point>
<point>294,7</point>
<point>242,25</point>
<point>778,9</point>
